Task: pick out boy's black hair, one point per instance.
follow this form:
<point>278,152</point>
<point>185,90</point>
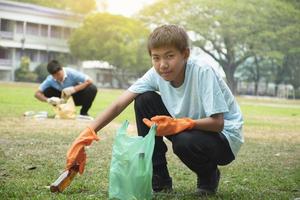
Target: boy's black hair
<point>53,66</point>
<point>168,36</point>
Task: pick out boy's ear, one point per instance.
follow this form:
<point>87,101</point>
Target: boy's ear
<point>186,53</point>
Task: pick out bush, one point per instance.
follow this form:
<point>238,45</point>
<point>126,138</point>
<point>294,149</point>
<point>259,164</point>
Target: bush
<point>23,73</point>
<point>41,71</point>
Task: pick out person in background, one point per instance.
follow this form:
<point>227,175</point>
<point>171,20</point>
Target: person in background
<point>64,81</point>
<point>192,107</point>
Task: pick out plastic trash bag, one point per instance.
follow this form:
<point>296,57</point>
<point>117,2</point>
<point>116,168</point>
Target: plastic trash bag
<point>131,165</point>
<point>65,110</point>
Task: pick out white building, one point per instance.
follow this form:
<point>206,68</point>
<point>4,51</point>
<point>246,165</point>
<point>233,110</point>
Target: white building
<point>37,32</point>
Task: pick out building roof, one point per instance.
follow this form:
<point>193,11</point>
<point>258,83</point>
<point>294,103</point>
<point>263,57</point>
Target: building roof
<point>18,9</point>
<point>96,64</point>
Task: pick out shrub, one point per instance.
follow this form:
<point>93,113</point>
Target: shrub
<point>23,73</point>
<point>41,71</point>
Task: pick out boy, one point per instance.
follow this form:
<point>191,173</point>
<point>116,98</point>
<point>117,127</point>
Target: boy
<point>69,82</point>
<point>194,109</point>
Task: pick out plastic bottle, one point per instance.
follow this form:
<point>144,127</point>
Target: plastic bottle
<point>64,180</point>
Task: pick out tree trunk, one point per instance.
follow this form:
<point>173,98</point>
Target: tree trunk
<point>257,76</point>
<point>276,90</point>
<point>266,90</point>
<point>256,88</point>
<point>229,71</point>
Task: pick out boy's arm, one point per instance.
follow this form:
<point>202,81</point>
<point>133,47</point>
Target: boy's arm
<point>40,96</point>
<point>76,153</point>
<point>167,125</point>
<point>83,85</point>
<point>113,110</point>
<point>214,123</point>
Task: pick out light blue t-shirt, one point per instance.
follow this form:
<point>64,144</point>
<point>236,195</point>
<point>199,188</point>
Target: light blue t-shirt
<point>202,94</point>
<point>72,77</point>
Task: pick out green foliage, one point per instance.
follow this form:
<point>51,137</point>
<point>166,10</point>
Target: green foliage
<point>23,73</point>
<point>41,71</point>
<point>111,38</point>
<point>232,31</point>
<point>297,94</point>
<point>81,6</point>
<point>78,6</point>
<point>291,64</point>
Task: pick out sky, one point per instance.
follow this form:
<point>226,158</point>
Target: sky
<point>125,7</point>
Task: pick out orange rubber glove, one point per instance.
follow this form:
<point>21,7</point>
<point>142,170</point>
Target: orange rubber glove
<point>76,153</point>
<point>169,126</point>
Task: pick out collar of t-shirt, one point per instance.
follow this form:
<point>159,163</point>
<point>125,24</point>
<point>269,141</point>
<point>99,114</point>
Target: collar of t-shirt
<point>65,76</point>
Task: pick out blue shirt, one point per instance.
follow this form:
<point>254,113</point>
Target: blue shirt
<point>202,94</point>
<point>72,77</point>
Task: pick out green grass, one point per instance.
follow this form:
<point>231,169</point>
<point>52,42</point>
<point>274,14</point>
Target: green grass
<point>17,98</point>
<point>267,167</point>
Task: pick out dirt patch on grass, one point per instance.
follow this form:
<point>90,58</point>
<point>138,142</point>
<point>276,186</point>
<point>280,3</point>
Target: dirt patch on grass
<point>272,135</point>
<point>23,125</point>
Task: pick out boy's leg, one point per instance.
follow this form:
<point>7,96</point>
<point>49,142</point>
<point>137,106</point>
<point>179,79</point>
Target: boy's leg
<point>85,98</point>
<point>52,92</point>
<point>147,105</point>
<point>202,151</point>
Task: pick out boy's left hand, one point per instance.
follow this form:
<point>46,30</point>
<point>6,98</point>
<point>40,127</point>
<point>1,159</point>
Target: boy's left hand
<point>169,126</point>
<point>68,91</point>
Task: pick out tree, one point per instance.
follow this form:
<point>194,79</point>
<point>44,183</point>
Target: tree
<point>23,73</point>
<point>256,69</point>
<point>41,71</point>
<point>78,6</point>
<point>229,31</point>
<point>119,40</point>
<point>216,27</point>
<point>292,65</point>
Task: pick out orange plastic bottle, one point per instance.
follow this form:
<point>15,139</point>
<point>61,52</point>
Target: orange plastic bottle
<point>64,180</point>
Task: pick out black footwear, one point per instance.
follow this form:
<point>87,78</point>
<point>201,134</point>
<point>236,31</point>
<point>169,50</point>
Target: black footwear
<point>210,186</point>
<point>160,184</point>
<point>84,114</point>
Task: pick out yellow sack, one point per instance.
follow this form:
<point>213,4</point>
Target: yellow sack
<point>65,110</point>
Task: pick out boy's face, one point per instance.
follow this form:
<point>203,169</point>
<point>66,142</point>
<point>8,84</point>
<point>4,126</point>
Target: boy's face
<point>170,63</point>
<point>59,75</point>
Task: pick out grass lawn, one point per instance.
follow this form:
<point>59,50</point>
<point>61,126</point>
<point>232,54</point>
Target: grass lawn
<point>32,151</point>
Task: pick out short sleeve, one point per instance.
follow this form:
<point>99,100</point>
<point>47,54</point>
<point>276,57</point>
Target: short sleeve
<point>148,82</point>
<point>45,84</point>
<point>212,96</point>
<point>78,77</point>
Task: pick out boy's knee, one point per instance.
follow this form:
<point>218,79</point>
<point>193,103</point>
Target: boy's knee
<point>181,143</point>
<point>92,89</point>
<point>51,92</point>
<point>145,98</point>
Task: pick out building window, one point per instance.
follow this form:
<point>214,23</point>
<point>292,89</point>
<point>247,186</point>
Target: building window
<point>18,54</point>
<point>32,54</point>
<point>44,30</point>
<point>19,27</point>
<point>5,25</point>
<point>32,29</point>
<point>3,53</point>
<point>5,58</point>
<point>43,56</point>
<point>56,32</point>
<point>53,56</point>
<point>67,33</point>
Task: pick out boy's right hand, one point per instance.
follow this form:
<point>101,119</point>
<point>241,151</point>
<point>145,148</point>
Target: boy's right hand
<point>54,101</point>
